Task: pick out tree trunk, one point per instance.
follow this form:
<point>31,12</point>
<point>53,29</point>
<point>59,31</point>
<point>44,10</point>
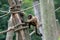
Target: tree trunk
<point>58,28</point>
<point>21,34</point>
<point>48,19</point>
<point>9,35</point>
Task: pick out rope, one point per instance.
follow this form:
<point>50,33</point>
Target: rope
<point>4,15</point>
<point>14,28</point>
<point>7,12</point>
<point>18,11</point>
<point>23,10</point>
<point>32,33</point>
<point>3,11</point>
<point>28,8</point>
<point>57,9</point>
<point>21,28</point>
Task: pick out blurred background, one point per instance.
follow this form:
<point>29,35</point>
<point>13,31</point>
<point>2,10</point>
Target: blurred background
<point>26,3</point>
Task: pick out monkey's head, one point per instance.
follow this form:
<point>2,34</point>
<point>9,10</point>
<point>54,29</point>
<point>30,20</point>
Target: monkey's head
<point>29,16</point>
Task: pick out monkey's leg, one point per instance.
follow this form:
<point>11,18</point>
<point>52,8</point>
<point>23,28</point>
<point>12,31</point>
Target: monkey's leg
<point>36,30</point>
<point>30,25</point>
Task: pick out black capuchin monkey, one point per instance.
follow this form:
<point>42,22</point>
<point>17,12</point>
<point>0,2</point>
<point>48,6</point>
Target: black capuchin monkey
<point>32,20</point>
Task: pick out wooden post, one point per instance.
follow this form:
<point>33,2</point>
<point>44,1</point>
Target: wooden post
<point>9,35</point>
<point>48,19</point>
<point>16,19</point>
<point>25,33</point>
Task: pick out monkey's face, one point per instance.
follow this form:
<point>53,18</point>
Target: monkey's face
<point>29,16</point>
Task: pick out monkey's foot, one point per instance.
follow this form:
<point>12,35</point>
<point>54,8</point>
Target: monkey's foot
<point>41,35</point>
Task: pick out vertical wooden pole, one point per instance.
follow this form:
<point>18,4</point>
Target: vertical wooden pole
<point>20,32</point>
<point>24,34</point>
<point>48,19</point>
<point>16,19</point>
<point>9,35</point>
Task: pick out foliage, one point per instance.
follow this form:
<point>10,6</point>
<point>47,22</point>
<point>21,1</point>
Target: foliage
<point>57,4</point>
<point>59,38</point>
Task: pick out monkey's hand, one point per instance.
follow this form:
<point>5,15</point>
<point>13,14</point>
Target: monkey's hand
<point>27,21</point>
